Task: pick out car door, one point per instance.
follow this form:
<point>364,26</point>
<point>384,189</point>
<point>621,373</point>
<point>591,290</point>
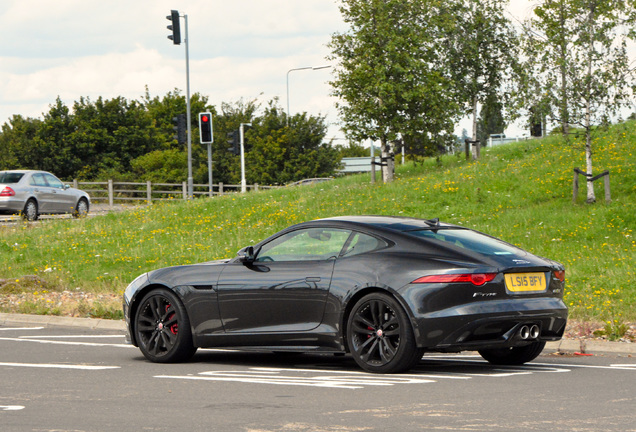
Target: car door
<point>285,289</point>
<point>42,192</point>
<point>63,201</point>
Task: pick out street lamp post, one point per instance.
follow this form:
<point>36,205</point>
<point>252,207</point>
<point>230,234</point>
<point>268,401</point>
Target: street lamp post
<point>297,69</point>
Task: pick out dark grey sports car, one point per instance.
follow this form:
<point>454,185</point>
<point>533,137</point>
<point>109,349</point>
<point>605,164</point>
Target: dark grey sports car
<point>384,289</point>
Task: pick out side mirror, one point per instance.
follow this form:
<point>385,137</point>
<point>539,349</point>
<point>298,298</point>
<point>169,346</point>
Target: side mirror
<point>246,255</point>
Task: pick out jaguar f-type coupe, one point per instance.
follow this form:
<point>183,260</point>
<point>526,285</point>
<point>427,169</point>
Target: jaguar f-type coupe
<point>383,289</point>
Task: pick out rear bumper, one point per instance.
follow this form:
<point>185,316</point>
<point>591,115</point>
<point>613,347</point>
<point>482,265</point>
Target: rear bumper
<point>491,324</point>
<point>10,205</point>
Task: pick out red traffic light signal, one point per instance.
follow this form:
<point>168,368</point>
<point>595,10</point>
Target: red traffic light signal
<point>205,128</point>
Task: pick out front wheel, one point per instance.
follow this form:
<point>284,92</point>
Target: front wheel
<point>162,328</point>
<point>380,335</point>
<point>81,209</point>
<point>513,355</point>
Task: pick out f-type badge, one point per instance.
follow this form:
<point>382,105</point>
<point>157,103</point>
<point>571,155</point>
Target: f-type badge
<point>483,294</point>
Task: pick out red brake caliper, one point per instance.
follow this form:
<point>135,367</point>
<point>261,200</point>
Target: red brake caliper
<point>174,328</point>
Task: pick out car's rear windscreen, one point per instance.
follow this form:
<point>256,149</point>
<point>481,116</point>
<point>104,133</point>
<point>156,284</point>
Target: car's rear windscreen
<point>470,240</point>
<point>10,177</point>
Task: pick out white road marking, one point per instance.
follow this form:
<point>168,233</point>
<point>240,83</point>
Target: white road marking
<point>350,380</point>
<point>74,337</point>
<point>415,376</point>
<point>613,367</point>
<point>541,367</point>
<point>20,328</point>
<point>624,366</point>
<point>11,407</point>
<point>58,366</point>
<point>44,341</point>
<point>358,380</point>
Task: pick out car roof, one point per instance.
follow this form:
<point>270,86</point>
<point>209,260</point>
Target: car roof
<point>22,171</point>
<point>393,223</point>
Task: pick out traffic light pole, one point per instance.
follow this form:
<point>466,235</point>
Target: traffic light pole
<point>175,37</point>
<point>187,45</point>
<point>243,182</point>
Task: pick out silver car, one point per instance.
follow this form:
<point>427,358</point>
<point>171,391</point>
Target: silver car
<point>32,193</point>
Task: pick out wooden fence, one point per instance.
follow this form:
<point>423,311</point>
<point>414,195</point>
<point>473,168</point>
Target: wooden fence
<point>110,191</point>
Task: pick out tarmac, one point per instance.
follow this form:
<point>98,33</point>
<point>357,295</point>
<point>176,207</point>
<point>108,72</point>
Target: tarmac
<point>564,346</point>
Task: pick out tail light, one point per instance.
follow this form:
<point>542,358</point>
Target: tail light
<point>477,279</point>
<point>7,191</point>
<point>560,275</point>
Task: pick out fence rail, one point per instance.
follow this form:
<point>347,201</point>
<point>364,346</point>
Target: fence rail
<point>111,191</point>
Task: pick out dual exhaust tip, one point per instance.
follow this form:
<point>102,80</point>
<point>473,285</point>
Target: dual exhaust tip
<point>529,332</point>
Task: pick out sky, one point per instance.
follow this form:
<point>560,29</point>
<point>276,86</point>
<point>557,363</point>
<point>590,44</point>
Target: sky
<point>239,49</point>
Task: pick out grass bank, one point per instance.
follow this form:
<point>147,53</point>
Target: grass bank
<point>521,192</point>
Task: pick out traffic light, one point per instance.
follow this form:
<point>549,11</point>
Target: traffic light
<point>175,37</point>
<point>180,128</point>
<point>205,128</point>
<point>234,140</point>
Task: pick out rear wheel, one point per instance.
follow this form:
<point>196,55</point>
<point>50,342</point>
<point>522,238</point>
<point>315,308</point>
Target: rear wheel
<point>380,335</point>
<point>30,212</point>
<point>162,328</point>
<point>513,355</point>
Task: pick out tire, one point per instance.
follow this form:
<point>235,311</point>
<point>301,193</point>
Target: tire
<point>30,212</point>
<point>380,336</point>
<point>162,328</point>
<point>513,355</point>
<point>81,209</point>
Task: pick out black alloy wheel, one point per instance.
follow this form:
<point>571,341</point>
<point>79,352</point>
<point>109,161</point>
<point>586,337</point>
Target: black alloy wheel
<point>513,355</point>
<point>380,335</point>
<point>162,328</point>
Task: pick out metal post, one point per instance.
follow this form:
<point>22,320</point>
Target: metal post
<point>187,44</point>
<point>243,183</point>
<point>210,169</point>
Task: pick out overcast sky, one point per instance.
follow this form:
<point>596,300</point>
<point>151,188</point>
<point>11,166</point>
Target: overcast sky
<point>238,49</point>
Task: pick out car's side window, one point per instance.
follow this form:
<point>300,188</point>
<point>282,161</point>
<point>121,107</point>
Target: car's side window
<point>361,243</point>
<point>312,244</point>
<point>38,180</point>
<point>54,181</point>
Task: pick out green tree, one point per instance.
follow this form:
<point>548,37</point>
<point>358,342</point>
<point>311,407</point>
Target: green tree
<point>281,154</point>
<point>585,70</point>
<point>161,166</point>
<point>108,135</point>
<point>53,150</point>
<point>17,141</point>
<point>352,149</point>
<point>482,55</point>
<point>547,42</point>
<point>389,80</point>
<point>491,119</point>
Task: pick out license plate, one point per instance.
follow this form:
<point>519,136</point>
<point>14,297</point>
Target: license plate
<point>525,282</point>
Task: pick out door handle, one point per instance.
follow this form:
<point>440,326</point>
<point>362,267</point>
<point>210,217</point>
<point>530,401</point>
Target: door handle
<point>312,279</point>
